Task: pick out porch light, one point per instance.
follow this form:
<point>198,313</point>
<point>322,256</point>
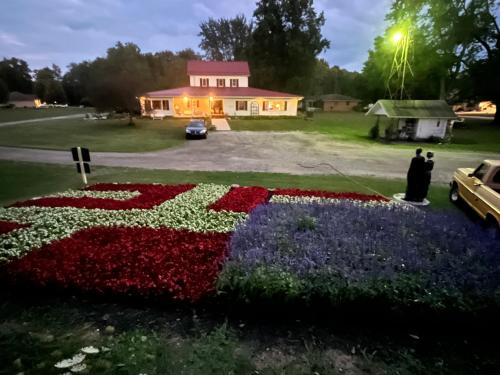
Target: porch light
<point>211,98</point>
<point>185,98</point>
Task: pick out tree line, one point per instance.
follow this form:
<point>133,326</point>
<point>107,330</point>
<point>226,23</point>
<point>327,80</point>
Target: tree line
<point>454,55</point>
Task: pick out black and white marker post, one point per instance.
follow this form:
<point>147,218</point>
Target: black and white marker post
<point>82,158</point>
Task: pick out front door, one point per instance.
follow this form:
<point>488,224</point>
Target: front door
<point>217,107</point>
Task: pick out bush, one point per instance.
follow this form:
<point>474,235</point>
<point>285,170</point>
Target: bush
<point>374,131</point>
<point>440,260</point>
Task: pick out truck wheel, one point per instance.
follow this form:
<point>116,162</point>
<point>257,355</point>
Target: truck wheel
<point>454,195</point>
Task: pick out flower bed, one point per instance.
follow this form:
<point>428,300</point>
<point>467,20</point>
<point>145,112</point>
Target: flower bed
<point>343,252</point>
<point>144,196</point>
<point>182,240</point>
<point>241,199</point>
<point>142,261</point>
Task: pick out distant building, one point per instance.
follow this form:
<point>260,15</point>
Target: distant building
<point>20,100</point>
<point>415,119</point>
<point>332,102</point>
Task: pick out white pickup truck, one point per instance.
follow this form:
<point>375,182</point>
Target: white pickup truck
<point>480,189</point>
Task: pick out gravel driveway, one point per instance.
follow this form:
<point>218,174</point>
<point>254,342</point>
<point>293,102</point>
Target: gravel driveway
<point>284,152</point>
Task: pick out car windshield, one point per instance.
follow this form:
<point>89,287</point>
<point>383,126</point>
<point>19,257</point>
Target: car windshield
<point>196,125</point>
<point>480,171</point>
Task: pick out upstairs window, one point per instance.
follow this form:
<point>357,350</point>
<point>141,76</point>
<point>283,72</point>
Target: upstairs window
<point>234,82</point>
<point>221,82</point>
<point>204,82</point>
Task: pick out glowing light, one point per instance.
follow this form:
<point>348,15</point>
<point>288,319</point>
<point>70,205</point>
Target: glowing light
<point>185,98</point>
<point>397,37</point>
<point>211,98</point>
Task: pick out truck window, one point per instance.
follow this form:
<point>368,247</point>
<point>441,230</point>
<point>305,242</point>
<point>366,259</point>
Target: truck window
<point>496,177</point>
<point>480,171</point>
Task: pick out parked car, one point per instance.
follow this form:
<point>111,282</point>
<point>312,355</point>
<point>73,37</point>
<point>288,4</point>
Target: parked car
<point>480,189</point>
<point>196,129</point>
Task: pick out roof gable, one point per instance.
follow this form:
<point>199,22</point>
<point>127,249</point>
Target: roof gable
<point>218,68</point>
<point>412,109</point>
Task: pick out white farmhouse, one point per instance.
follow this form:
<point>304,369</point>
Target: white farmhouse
<point>416,119</point>
<point>218,88</point>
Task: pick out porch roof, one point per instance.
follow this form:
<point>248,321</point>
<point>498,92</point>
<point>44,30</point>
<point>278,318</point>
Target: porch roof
<point>241,92</point>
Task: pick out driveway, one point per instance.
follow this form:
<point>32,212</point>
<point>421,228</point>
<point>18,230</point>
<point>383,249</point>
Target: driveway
<point>290,152</point>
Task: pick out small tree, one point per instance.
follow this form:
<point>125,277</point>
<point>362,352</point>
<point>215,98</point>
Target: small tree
<point>4,92</point>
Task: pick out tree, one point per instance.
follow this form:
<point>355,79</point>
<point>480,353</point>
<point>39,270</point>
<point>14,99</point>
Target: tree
<point>16,75</point>
<point>4,92</point>
<point>465,37</point>
<point>75,83</point>
<point>117,79</point>
<point>285,42</point>
<point>226,39</point>
<point>48,86</point>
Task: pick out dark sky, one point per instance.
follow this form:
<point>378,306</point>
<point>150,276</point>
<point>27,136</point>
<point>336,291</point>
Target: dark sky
<point>64,31</point>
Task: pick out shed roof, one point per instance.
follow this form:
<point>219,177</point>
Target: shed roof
<point>15,96</point>
<point>412,109</point>
<point>218,68</point>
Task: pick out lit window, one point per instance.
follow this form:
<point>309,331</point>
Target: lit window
<point>275,105</point>
<point>221,82</point>
<point>241,105</point>
<point>234,82</point>
<point>156,104</point>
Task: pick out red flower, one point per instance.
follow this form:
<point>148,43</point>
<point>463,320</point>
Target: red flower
<point>124,260</point>
<point>7,226</point>
<point>151,195</point>
<point>241,199</point>
<point>327,194</point>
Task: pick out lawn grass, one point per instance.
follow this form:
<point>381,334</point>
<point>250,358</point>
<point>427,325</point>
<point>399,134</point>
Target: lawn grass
<point>101,135</point>
<point>24,180</point>
<point>19,114</point>
<point>474,135</point>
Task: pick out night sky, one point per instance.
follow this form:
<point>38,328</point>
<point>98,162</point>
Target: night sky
<point>65,31</point>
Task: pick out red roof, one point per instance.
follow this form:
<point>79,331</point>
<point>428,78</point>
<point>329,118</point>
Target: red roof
<point>218,68</point>
<point>219,92</point>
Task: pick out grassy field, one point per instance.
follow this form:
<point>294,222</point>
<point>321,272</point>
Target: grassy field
<point>474,135</point>
<point>102,135</point>
<point>25,180</point>
<point>19,114</point>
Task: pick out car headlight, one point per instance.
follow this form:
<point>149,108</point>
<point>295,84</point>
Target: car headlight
<point>188,131</point>
<point>203,131</point>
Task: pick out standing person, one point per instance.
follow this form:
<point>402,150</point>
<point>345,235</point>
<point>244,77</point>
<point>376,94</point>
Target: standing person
<point>414,177</point>
<point>429,166</point>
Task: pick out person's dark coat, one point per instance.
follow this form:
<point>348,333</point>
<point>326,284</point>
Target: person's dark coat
<point>414,178</point>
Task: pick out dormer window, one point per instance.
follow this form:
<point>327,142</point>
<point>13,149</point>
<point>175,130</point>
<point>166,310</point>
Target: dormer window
<point>204,82</point>
<point>221,82</point>
<point>234,82</point>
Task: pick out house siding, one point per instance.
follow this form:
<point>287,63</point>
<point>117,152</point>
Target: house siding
<point>194,81</point>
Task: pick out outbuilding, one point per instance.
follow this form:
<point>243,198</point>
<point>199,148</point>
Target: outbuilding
<point>332,102</point>
<point>20,100</point>
<point>414,119</point>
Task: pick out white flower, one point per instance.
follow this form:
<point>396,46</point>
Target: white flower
<point>89,350</point>
<point>78,368</point>
<point>70,362</point>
